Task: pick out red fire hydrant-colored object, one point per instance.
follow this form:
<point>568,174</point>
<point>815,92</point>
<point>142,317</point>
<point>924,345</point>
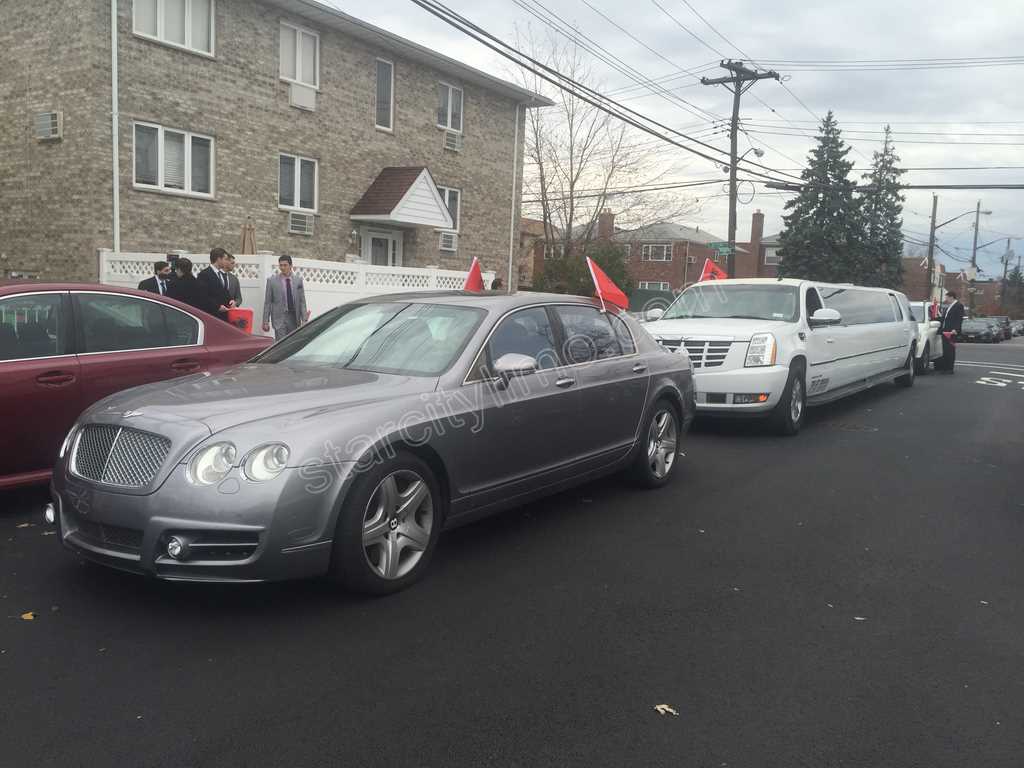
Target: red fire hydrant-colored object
<point>241,318</point>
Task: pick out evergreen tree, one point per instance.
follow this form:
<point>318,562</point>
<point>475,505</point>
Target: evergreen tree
<point>881,209</point>
<point>823,236</point>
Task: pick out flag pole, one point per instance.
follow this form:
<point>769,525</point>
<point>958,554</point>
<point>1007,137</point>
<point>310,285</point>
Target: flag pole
<point>597,286</point>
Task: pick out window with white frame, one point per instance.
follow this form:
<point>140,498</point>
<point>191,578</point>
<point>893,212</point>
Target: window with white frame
<point>300,56</point>
<point>184,24</point>
<point>385,113</point>
<point>297,183</point>
<point>449,107</point>
<point>453,200</point>
<point>654,285</point>
<point>771,257</point>
<point>656,252</point>
<point>552,250</point>
<point>172,161</point>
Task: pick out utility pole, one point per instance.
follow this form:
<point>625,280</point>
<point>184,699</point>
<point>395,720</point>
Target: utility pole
<point>1006,267</point>
<point>974,255</point>
<point>739,82</point>
<point>931,249</point>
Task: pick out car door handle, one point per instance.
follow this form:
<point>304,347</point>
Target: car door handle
<point>830,341</point>
<point>185,365</point>
<point>565,383</point>
<point>639,368</point>
<point>55,378</point>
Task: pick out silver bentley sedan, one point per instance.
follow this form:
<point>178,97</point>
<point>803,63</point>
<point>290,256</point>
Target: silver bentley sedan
<point>347,447</point>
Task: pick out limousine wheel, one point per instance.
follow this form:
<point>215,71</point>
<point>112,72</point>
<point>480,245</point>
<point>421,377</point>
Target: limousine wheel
<point>388,526</point>
<point>922,364</point>
<point>907,379</point>
<point>788,416</point>
<point>656,458</point>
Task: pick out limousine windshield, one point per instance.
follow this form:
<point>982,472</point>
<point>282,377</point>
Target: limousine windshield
<point>737,300</point>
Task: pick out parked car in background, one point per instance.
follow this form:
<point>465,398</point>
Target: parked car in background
<point>1002,322</point>
<point>765,347</point>
<point>65,346</point>
<point>1018,327</point>
<point>979,331</point>
<point>929,337</point>
<point>345,448</point>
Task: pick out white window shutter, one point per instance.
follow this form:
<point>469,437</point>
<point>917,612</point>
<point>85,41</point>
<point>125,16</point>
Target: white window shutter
<point>174,160</point>
<point>288,36</point>
<point>145,17</point>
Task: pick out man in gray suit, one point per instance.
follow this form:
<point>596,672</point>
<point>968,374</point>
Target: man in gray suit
<point>285,302</point>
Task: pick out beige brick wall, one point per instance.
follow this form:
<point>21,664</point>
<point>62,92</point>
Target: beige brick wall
<point>238,99</point>
<point>54,196</point>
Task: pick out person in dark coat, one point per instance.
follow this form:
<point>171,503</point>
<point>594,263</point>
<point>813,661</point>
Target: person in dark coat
<point>160,281</point>
<point>215,282</point>
<point>952,325</point>
<point>186,288</point>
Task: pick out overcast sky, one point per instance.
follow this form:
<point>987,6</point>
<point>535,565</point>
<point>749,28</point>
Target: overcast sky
<point>953,110</point>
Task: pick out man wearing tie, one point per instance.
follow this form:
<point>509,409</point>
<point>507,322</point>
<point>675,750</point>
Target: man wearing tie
<point>160,281</point>
<point>285,301</point>
<point>215,282</point>
<point>952,325</point>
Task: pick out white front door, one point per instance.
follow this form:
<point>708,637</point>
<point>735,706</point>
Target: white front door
<point>382,247</point>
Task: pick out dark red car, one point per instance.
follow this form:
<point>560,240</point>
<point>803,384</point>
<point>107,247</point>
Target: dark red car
<point>63,346</point>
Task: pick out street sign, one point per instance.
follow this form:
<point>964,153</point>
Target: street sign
<point>722,248</point>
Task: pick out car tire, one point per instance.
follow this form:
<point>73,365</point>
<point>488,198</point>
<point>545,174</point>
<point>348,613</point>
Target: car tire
<point>788,416</point>
<point>388,526</point>
<point>657,455</point>
<point>907,379</point>
<point>923,364</point>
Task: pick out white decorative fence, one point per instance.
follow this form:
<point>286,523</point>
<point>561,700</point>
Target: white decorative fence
<point>328,283</point>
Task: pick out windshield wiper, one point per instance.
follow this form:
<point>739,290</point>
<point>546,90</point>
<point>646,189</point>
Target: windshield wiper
<point>743,317</point>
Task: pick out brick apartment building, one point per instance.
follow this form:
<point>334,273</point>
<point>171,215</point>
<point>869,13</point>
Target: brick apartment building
<point>334,136</point>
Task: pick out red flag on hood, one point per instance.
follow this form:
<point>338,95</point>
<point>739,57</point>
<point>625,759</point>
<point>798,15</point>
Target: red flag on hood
<point>606,290</point>
<point>474,279</point>
<point>712,271</point>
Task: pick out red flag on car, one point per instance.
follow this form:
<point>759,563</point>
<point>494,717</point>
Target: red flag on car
<point>475,278</point>
<point>712,271</point>
<point>606,290</point>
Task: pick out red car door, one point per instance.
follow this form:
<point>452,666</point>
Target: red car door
<point>40,383</point>
<point>125,341</point>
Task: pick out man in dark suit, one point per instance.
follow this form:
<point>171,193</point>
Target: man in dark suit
<point>234,286</point>
<point>160,281</point>
<point>952,324</point>
<point>216,285</point>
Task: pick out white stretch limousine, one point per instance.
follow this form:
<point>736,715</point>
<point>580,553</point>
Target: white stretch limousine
<point>772,347</point>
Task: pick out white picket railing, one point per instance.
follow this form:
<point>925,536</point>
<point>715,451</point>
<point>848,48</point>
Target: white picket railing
<point>328,283</point>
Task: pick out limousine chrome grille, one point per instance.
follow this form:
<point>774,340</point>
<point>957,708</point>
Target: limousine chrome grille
<point>707,354</point>
<point>118,456</point>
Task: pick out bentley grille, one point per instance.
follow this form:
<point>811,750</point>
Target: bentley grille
<point>118,456</point>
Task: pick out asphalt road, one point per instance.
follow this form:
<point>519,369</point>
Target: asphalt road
<point>850,597</point>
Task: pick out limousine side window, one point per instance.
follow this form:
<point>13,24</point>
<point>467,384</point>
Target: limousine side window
<point>896,307</point>
<point>860,307</point>
<point>32,326</point>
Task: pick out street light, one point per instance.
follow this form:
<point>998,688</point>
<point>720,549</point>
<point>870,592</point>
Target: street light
<point>931,237</point>
<point>757,153</point>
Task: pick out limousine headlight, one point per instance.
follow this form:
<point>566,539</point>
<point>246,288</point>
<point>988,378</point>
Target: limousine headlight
<point>211,464</point>
<point>760,351</point>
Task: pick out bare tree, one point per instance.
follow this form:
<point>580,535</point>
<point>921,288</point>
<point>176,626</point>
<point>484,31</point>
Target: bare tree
<point>579,160</point>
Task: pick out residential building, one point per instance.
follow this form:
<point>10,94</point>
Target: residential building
<point>759,256</point>
<point>668,257</point>
<point>334,136</point>
<point>916,284</point>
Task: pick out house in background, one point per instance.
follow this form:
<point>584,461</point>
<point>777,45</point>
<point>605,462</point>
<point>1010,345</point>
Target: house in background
<point>334,136</point>
<point>759,256</point>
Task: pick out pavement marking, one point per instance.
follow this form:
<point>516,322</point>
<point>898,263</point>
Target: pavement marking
<point>973,364</point>
<point>1007,373</point>
<point>665,709</point>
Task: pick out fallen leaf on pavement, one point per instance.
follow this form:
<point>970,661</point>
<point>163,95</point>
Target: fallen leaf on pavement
<point>24,525</point>
<point>983,602</point>
<point>49,533</point>
<point>665,709</point>
<point>29,616</point>
<point>860,618</point>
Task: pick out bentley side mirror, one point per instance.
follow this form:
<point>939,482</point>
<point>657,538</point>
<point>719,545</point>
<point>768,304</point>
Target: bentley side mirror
<point>825,317</point>
<point>512,365</point>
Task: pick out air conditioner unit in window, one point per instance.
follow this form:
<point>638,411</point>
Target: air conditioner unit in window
<point>453,141</point>
<point>302,97</point>
<point>300,224</point>
<point>49,126</point>
<point>449,241</point>
<point>691,259</point>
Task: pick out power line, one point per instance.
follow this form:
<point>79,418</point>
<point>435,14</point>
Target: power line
<point>578,90</point>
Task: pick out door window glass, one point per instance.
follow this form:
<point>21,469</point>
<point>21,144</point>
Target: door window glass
<point>527,332</point>
<point>110,323</point>
<point>31,326</point>
<point>588,335</point>
<point>813,302</point>
<point>622,333</point>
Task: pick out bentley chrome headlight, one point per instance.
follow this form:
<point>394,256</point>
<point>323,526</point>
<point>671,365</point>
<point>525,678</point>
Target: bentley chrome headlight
<point>211,464</point>
<point>266,462</point>
<point>761,351</point>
